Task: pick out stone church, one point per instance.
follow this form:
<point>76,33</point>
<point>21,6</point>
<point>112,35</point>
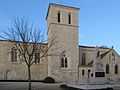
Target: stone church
<point>75,62</point>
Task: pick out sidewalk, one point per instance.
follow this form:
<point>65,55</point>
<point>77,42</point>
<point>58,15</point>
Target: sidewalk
<point>24,86</point>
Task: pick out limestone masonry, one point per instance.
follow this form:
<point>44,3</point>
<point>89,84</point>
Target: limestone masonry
<point>73,64</point>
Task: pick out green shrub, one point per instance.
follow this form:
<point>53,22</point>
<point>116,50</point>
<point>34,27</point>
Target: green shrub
<point>49,80</point>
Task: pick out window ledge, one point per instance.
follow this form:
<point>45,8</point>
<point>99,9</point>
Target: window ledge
<point>63,68</point>
<point>15,62</point>
<point>36,63</point>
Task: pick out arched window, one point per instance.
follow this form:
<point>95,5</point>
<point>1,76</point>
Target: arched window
<point>58,14</point>
<point>83,59</point>
<point>13,55</point>
<point>107,69</point>
<point>113,56</point>
<point>37,56</point>
<point>83,72</point>
<point>116,69</point>
<point>109,56</point>
<point>69,18</point>
<point>91,74</point>
<point>64,62</point>
<point>88,73</point>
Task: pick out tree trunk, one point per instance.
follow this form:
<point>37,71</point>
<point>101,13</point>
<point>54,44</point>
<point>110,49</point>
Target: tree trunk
<point>29,77</point>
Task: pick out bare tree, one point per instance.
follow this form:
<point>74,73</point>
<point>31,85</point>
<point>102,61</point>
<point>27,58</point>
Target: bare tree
<point>26,39</point>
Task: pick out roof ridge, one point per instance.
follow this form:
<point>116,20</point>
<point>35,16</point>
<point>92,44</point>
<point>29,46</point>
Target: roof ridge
<point>93,47</point>
<point>105,53</point>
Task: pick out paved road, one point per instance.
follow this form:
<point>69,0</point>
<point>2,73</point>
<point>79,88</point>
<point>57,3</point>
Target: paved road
<point>24,86</point>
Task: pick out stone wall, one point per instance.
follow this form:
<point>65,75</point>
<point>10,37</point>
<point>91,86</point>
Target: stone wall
<point>67,37</point>
<point>17,70</point>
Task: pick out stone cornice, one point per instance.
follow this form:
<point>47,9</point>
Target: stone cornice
<point>64,6</point>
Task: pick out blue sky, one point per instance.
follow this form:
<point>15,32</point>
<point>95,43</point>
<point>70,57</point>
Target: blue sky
<point>99,20</point>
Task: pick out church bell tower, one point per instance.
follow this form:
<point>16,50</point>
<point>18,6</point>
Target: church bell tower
<point>62,21</point>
